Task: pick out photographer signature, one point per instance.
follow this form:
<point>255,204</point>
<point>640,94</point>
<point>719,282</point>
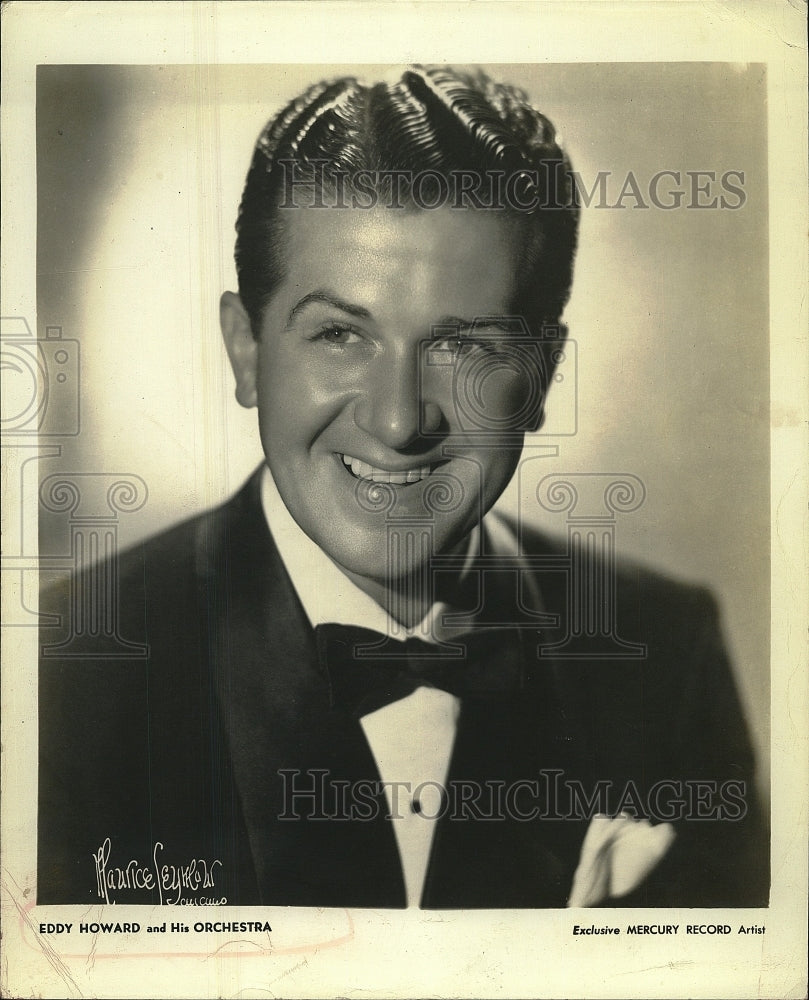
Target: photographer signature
<point>171,880</point>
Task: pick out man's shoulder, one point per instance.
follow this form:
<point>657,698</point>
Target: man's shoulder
<point>636,583</point>
<point>158,593</point>
<point>193,544</point>
<point>639,591</point>
<point>137,627</point>
<point>184,550</point>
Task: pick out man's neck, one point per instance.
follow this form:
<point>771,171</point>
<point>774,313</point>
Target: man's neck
<point>408,599</point>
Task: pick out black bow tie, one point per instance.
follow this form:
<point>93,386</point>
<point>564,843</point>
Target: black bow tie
<point>368,671</point>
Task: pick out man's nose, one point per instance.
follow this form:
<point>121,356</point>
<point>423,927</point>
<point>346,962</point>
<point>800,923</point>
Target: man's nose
<point>395,406</point>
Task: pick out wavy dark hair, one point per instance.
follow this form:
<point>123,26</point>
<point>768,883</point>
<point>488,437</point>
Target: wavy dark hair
<point>435,119</point>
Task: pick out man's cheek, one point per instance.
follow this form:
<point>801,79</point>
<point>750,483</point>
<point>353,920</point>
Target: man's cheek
<point>512,394</point>
<point>495,396</point>
<point>485,474</point>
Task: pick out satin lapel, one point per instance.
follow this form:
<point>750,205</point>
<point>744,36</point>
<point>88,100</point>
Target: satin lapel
<point>502,841</point>
<point>522,850</point>
<point>280,732</point>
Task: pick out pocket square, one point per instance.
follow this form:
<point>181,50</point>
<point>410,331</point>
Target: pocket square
<point>616,856</point>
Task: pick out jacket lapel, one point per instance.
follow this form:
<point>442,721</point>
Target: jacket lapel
<point>503,841</point>
<point>288,749</point>
<point>522,849</point>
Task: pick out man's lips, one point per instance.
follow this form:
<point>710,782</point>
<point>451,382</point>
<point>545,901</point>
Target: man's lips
<point>400,477</point>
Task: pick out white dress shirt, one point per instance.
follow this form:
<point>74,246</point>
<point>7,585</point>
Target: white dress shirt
<point>411,740</point>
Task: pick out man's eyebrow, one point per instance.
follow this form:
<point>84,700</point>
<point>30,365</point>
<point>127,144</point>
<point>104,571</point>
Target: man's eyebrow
<point>504,323</point>
<point>331,300</point>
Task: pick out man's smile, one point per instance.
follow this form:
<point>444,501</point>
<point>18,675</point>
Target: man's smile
<point>401,477</point>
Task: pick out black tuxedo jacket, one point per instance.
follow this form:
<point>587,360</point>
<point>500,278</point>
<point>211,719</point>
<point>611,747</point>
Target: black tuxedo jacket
<point>192,752</point>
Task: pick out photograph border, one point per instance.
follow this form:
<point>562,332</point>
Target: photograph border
<point>322,953</point>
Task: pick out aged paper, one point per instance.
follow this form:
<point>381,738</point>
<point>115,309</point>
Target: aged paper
<point>127,134</point>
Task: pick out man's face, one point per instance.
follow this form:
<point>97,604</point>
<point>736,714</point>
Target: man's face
<point>358,431</point>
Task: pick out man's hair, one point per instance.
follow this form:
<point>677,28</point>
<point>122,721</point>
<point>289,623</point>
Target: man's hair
<point>432,123</point>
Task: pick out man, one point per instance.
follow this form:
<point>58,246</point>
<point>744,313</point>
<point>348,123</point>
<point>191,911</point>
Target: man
<point>357,690</point>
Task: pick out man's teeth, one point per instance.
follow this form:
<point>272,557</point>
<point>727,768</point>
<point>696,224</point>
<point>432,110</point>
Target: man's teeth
<point>364,471</point>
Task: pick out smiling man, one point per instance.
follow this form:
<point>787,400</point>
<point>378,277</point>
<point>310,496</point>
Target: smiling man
<point>348,698</point>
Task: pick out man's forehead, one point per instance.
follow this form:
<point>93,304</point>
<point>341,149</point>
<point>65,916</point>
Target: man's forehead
<point>380,222</point>
<point>464,253</point>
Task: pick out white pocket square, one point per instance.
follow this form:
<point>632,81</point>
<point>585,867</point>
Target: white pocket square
<point>616,856</point>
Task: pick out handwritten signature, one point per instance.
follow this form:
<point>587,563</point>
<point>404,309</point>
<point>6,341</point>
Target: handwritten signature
<point>172,881</point>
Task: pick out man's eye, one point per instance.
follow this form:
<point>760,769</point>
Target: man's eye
<point>465,345</point>
<point>338,335</point>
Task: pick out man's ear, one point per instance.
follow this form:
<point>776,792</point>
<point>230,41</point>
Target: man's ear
<point>241,346</point>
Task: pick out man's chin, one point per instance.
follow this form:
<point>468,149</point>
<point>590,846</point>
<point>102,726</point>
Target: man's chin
<point>380,569</point>
<point>397,558</point>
